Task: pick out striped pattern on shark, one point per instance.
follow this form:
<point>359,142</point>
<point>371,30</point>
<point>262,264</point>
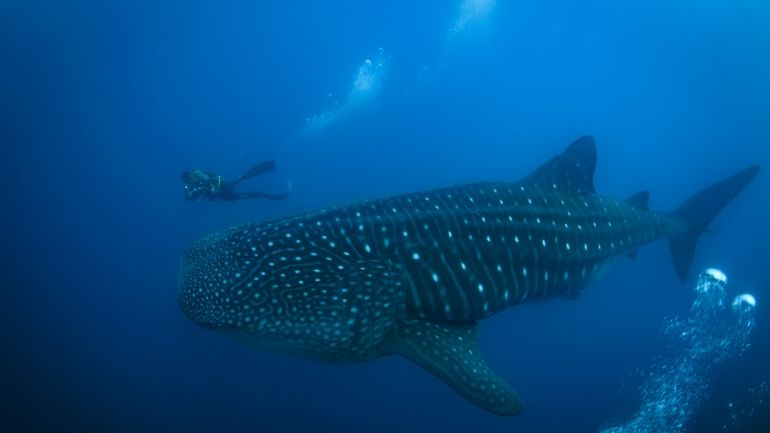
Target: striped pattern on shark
<point>412,274</point>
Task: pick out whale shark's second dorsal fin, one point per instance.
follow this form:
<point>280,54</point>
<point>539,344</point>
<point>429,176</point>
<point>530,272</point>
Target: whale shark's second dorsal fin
<point>640,200</point>
<point>572,171</point>
<point>451,352</point>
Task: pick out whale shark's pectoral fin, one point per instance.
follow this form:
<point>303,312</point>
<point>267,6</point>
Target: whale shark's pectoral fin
<point>451,352</point>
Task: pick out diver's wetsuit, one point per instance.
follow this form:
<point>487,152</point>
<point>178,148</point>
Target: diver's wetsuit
<point>199,183</point>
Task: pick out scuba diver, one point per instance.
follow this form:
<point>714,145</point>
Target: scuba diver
<point>199,183</point>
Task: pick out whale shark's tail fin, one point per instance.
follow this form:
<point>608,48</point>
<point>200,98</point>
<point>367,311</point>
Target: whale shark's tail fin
<point>699,210</point>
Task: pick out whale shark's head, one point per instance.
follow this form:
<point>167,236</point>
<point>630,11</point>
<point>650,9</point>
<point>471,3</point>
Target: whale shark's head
<point>270,285</point>
<point>248,278</point>
<point>212,286</point>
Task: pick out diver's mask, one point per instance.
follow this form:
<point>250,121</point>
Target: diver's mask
<point>195,184</point>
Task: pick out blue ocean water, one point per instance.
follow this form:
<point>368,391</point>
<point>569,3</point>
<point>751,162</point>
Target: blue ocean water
<point>104,104</point>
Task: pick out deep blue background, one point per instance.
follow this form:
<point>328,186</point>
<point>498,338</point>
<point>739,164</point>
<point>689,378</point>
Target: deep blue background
<point>104,103</point>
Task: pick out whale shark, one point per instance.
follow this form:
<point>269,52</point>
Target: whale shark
<point>413,274</point>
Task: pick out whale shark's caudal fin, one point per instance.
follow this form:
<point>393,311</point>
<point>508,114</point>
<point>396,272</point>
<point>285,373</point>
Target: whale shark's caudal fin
<point>451,352</point>
<point>699,210</point>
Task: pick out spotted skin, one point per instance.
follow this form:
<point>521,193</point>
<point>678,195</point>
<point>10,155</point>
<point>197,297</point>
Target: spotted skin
<point>413,274</point>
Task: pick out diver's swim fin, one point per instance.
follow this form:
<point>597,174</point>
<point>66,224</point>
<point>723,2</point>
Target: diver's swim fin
<point>261,168</point>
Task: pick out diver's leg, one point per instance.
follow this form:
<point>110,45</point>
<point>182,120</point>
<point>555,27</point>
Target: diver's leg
<point>262,167</point>
<point>265,195</point>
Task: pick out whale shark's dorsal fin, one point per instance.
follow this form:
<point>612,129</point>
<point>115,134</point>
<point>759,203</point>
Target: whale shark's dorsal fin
<point>572,171</point>
<point>451,352</point>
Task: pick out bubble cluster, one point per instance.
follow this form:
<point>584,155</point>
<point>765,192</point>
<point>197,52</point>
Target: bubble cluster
<point>740,411</point>
<point>714,331</point>
<point>472,12</point>
<point>366,84</point>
